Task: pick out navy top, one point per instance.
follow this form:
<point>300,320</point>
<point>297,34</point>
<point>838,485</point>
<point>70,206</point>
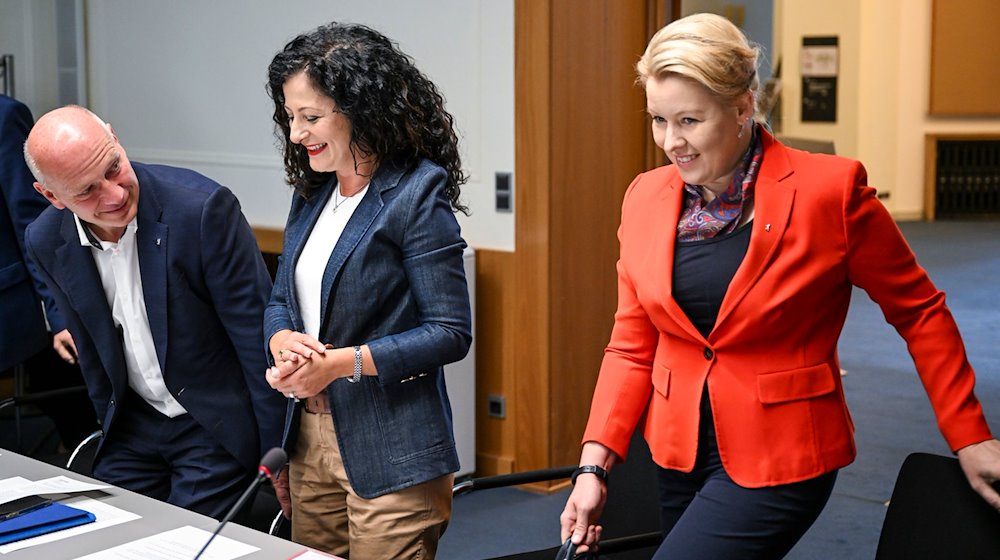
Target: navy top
<point>703,270</point>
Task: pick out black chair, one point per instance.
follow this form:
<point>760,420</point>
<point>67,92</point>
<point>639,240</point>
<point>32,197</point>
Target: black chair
<point>260,514</point>
<point>934,513</point>
<point>257,514</point>
<point>280,526</point>
<point>21,398</point>
<point>81,460</point>
<point>808,144</point>
<point>631,517</point>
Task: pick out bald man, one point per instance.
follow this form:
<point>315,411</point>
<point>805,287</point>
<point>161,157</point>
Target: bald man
<point>157,276</point>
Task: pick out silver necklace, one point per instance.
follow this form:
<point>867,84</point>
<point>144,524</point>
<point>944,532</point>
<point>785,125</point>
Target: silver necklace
<point>336,199</point>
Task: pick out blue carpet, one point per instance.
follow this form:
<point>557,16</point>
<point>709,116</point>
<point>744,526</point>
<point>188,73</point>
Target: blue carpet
<point>501,521</point>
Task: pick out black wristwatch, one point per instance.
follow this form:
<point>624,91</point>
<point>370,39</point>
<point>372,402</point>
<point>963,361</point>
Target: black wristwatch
<point>589,469</point>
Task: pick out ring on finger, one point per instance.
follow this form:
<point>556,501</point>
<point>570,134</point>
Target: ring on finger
<point>281,354</point>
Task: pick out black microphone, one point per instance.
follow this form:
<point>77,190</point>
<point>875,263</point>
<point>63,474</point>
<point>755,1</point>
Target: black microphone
<point>270,464</point>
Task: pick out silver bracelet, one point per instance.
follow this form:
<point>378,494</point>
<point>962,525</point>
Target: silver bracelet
<point>357,366</point>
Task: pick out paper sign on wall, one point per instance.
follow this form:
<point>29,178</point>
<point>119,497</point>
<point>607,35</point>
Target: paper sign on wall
<point>818,63</point>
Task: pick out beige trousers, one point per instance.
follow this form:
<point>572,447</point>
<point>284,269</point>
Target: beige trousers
<point>327,515</point>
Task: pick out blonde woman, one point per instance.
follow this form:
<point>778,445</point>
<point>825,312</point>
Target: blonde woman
<point>736,269</point>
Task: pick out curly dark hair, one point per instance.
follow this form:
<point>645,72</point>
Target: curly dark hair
<point>397,114</point>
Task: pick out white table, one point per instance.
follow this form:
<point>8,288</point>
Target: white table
<point>157,517</point>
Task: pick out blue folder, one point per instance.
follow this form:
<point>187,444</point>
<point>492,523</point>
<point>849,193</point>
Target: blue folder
<point>42,521</point>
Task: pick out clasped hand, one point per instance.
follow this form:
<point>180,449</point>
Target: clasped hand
<point>300,370</point>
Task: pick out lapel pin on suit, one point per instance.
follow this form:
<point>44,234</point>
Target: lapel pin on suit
<point>158,241</point>
<point>767,227</point>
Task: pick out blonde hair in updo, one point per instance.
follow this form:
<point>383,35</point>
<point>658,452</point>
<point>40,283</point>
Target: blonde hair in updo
<point>706,48</point>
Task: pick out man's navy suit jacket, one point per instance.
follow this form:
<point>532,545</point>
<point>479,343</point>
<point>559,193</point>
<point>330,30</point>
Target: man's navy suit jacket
<point>205,286</point>
<point>22,326</point>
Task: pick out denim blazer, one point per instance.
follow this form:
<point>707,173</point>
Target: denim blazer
<point>396,282</point>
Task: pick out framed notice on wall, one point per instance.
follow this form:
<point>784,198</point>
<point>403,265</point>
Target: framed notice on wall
<point>965,58</point>
<point>818,63</point>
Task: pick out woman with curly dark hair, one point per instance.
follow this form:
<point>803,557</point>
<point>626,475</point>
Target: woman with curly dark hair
<point>370,299</point>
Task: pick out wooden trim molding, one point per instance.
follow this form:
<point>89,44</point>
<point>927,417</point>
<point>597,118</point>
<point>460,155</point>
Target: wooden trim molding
<point>930,172</point>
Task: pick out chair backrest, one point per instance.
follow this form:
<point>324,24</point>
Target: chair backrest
<point>631,517</point>
<point>934,513</point>
<point>808,144</point>
<point>82,459</point>
<point>633,499</point>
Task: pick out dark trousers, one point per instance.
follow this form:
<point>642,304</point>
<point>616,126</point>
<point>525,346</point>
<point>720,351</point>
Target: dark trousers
<point>706,515</point>
<point>170,459</point>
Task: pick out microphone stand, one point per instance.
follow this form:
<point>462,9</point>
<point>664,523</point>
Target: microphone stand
<point>274,459</point>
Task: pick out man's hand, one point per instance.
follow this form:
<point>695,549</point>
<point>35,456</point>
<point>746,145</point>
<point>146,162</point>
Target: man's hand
<point>63,344</point>
<point>281,490</point>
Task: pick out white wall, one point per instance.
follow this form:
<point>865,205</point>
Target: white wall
<point>183,81</point>
<point>27,31</point>
<point>819,19</point>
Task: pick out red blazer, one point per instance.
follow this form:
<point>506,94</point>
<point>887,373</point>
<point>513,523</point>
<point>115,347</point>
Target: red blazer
<point>771,360</point>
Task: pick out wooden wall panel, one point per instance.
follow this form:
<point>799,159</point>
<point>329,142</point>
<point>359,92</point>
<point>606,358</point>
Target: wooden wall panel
<point>495,325</point>
<point>269,239</point>
<point>580,137</point>
<point>965,58</point>
<point>529,402</point>
<point>598,147</point>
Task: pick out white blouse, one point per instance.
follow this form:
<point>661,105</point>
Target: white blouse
<point>316,254</point>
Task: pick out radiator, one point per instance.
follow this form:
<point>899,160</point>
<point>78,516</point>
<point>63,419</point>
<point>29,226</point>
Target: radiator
<point>967,184</point>
<point>460,378</point>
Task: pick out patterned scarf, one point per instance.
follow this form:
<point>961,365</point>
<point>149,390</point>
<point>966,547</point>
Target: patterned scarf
<point>722,215</point>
